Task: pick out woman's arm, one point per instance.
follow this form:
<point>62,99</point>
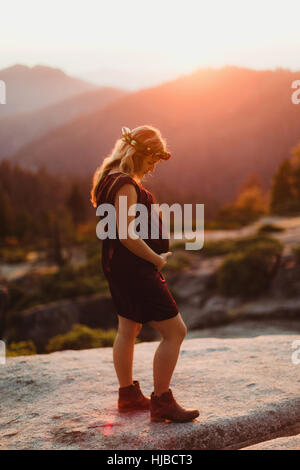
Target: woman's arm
<point>137,246</point>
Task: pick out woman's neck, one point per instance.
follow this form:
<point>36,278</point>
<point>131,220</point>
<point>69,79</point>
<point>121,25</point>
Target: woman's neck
<point>116,169</point>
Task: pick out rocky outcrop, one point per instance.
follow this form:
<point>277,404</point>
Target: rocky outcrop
<point>287,280</point>
<point>201,305</point>
<point>219,310</point>
<point>198,301</point>
<point>196,294</point>
<point>41,323</point>
<point>246,389</point>
<point>196,285</point>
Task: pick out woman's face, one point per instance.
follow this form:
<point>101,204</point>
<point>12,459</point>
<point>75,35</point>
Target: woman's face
<point>149,163</point>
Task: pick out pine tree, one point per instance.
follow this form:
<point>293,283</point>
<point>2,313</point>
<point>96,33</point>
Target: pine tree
<point>295,164</point>
<point>254,180</point>
<point>282,197</point>
<point>6,214</point>
<point>76,205</point>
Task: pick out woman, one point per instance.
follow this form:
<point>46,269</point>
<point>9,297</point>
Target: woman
<point>132,267</point>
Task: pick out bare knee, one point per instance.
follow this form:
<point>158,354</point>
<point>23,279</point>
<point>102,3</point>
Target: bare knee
<point>176,334</point>
<point>173,329</point>
<point>181,333</point>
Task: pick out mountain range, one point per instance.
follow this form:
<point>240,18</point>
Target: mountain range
<point>18,129</point>
<point>221,125</point>
<point>32,88</point>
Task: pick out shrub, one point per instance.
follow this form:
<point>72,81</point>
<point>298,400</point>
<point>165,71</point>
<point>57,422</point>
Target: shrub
<point>21,348</point>
<point>178,262</point>
<point>254,241</point>
<point>81,337</point>
<point>218,247</point>
<point>108,337</point>
<point>13,255</point>
<point>71,282</point>
<point>247,274</point>
<point>67,282</point>
<point>232,245</point>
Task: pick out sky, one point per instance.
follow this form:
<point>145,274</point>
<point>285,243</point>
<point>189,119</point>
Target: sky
<point>149,41</point>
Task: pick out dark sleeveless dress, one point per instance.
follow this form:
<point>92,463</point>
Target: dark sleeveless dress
<point>139,291</point>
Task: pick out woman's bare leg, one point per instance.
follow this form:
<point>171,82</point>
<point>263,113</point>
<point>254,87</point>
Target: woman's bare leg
<point>123,349</point>
<point>173,332</point>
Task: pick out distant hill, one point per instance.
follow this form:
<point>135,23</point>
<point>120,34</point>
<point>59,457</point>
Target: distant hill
<point>32,88</point>
<point>19,129</point>
<point>221,125</point>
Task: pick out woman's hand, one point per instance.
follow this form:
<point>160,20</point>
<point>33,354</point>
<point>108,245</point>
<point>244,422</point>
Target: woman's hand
<point>163,261</point>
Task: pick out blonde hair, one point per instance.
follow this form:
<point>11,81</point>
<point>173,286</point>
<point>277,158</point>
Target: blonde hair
<point>129,159</point>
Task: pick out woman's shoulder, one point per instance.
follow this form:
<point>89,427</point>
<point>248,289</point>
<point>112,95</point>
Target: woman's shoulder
<point>118,180</point>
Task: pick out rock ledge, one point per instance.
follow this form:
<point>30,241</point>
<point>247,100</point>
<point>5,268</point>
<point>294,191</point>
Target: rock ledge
<point>247,390</point>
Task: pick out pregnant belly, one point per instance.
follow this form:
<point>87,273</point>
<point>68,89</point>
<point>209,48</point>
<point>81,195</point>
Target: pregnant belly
<point>125,261</point>
<point>159,245</point>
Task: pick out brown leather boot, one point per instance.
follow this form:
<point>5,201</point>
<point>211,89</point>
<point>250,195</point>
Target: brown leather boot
<point>164,407</point>
<point>131,398</point>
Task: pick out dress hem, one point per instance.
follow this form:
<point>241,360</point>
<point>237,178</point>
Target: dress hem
<point>147,321</point>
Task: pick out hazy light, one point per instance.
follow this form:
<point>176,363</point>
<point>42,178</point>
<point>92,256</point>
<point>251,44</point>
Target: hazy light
<point>166,35</point>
